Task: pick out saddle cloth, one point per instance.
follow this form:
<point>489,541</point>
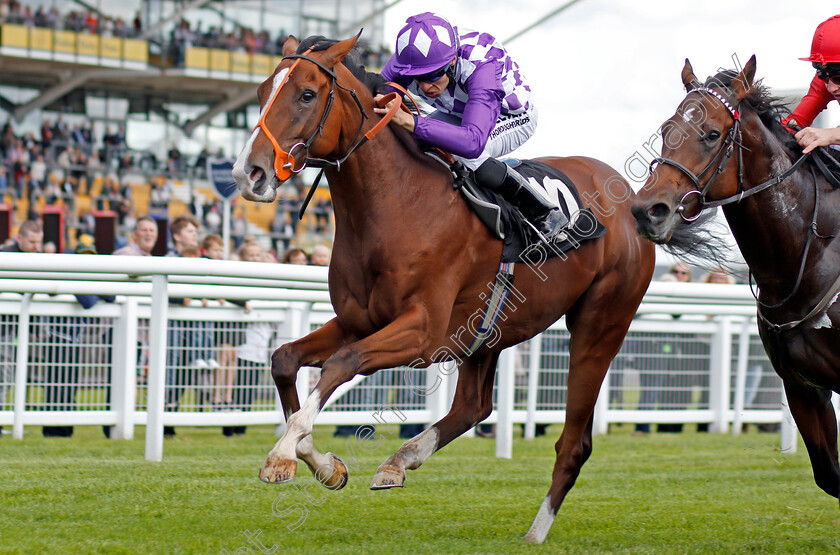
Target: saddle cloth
<point>505,222</point>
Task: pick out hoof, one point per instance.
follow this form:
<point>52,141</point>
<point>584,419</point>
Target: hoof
<point>278,471</point>
<point>387,477</point>
<point>533,539</point>
<point>333,476</point>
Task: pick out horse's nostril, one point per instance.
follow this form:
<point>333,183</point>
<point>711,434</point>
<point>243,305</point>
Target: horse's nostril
<point>256,174</point>
<point>658,212</point>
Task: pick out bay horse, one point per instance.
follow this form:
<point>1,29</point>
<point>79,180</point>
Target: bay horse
<point>410,265</point>
<point>724,146</point>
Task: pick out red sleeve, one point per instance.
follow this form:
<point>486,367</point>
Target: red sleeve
<point>813,103</point>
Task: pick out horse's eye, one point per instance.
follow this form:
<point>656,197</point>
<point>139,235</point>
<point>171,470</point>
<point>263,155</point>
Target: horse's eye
<point>713,135</point>
<point>307,96</point>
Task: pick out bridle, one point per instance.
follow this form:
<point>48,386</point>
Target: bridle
<point>730,142</point>
<point>284,161</point>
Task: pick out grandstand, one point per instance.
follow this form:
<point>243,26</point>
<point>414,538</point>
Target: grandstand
<point>115,106</point>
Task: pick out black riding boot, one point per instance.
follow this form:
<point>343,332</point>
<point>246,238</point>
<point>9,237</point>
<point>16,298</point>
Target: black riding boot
<point>506,181</point>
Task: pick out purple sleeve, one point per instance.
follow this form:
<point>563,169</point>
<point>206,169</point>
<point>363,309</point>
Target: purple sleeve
<point>468,140</point>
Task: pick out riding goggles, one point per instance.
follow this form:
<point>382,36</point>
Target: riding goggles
<point>830,72</point>
<point>833,77</point>
<point>432,76</point>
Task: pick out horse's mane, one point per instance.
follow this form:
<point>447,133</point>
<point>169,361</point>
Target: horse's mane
<point>351,61</point>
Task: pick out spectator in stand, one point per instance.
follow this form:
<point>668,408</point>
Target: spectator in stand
<point>160,195</point>
<point>288,199</point>
<point>64,160</point>
<point>87,222</point>
<point>253,354</point>
<point>143,238</point>
<point>322,215</point>
<point>175,160</point>
<point>118,198</point>
<point>30,238</point>
<point>60,130</point>
<point>182,39</point>
<point>282,230</point>
<point>78,164</point>
<point>320,256</point>
<point>239,226</point>
<point>182,362</point>
<point>38,173</point>
<point>46,134</point>
<point>137,23</point>
<point>19,158</point>
<point>201,161</point>
<point>212,246</point>
<point>212,219</point>
<point>94,168</point>
<point>200,336</point>
<point>63,359</point>
<point>718,275</point>
<point>4,181</point>
<point>8,139</point>
<point>295,256</point>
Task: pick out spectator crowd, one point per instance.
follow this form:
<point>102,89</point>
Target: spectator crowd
<point>225,360</point>
<point>184,34</point>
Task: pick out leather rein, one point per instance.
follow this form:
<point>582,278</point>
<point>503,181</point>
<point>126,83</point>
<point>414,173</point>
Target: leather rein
<point>733,140</point>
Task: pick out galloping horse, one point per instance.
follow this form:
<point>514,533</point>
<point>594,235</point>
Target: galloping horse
<point>411,263</point>
<point>725,147</point>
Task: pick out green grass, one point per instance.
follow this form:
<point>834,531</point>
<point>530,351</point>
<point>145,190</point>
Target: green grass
<point>664,493</point>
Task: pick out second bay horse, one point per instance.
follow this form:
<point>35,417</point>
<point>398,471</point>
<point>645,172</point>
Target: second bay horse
<point>724,146</point>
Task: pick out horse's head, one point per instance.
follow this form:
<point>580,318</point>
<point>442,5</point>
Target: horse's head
<point>298,119</point>
<point>696,166</point>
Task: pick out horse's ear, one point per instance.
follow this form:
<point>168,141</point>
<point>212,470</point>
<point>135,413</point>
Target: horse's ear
<point>339,50</point>
<point>689,80</point>
<point>742,84</point>
<point>290,46</point>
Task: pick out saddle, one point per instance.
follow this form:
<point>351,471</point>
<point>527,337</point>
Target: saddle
<point>506,222</point>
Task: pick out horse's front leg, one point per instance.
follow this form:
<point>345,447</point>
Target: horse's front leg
<point>472,403</point>
<point>813,413</point>
<point>404,340</point>
<point>310,350</point>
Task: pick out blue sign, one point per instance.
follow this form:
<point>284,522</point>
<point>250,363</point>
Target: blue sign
<point>219,173</point>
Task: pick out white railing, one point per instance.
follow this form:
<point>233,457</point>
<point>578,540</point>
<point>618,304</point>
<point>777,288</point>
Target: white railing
<point>707,373</point>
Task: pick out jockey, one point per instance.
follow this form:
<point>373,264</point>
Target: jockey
<point>482,107</point>
<point>825,87</point>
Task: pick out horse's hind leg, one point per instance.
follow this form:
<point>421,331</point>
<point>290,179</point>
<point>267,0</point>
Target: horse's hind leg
<point>596,336</point>
<point>310,350</point>
<point>472,403</point>
<point>814,415</point>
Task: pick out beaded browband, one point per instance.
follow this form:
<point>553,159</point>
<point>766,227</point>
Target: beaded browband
<point>724,101</point>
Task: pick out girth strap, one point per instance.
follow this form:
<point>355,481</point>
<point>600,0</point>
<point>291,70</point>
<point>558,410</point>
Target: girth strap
<point>495,304</point>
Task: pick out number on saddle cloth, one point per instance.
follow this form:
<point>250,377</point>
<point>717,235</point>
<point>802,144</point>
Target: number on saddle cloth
<point>505,222</point>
